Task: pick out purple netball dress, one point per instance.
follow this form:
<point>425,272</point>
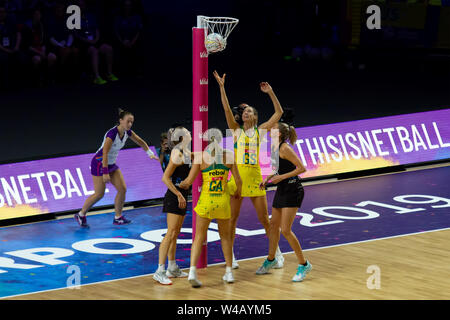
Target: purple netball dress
<point>96,163</point>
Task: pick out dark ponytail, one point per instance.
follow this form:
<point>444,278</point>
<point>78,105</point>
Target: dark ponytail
<point>292,135</point>
<point>123,113</point>
<point>287,132</point>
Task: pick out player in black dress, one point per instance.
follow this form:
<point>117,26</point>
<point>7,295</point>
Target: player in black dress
<point>174,203</point>
<point>288,199</point>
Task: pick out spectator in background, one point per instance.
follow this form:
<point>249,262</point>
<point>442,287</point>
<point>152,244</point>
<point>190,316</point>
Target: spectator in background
<point>90,43</point>
<point>128,29</point>
<point>42,60</point>
<point>62,41</point>
<point>10,40</point>
<point>164,151</point>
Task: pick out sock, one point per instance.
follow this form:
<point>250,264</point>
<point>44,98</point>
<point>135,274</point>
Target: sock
<point>227,269</point>
<point>305,263</point>
<point>160,267</point>
<point>192,272</point>
<point>270,260</point>
<point>81,215</point>
<point>172,264</point>
<point>278,252</point>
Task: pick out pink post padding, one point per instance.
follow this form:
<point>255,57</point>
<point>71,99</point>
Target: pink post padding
<point>199,117</point>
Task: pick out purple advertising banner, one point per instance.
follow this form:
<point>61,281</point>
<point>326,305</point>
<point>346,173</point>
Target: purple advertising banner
<point>366,144</point>
<point>374,143</point>
<point>63,184</point>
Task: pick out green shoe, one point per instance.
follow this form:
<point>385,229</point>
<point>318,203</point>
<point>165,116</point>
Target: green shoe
<point>112,77</point>
<point>267,265</point>
<point>99,81</point>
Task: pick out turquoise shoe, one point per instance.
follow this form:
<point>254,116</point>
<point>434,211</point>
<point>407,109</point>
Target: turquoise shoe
<point>302,271</point>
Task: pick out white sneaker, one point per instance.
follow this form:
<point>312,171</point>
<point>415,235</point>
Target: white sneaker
<point>228,277</point>
<point>176,273</point>
<point>195,283</point>
<point>280,261</point>
<point>161,277</point>
<point>234,264</point>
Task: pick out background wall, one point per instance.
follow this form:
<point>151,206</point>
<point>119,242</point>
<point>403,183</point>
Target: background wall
<point>277,42</point>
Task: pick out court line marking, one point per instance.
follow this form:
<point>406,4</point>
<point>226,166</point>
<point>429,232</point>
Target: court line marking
<point>221,263</point>
<point>305,183</point>
<point>259,257</point>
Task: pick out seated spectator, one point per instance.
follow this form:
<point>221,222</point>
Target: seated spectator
<point>42,60</point>
<point>11,58</point>
<point>164,151</point>
<point>62,41</point>
<point>128,29</point>
<point>90,43</point>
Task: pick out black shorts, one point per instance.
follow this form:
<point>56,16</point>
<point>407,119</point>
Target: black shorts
<point>170,203</point>
<point>289,194</point>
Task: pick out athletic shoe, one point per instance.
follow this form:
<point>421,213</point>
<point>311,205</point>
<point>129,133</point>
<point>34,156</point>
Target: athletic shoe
<point>121,220</point>
<point>195,283</point>
<point>99,81</point>
<point>234,264</point>
<point>176,273</point>
<point>161,277</point>
<point>112,77</point>
<point>280,261</point>
<point>302,271</point>
<point>82,221</point>
<point>228,277</point>
<point>266,266</point>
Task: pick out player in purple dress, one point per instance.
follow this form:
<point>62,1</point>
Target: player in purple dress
<point>105,170</point>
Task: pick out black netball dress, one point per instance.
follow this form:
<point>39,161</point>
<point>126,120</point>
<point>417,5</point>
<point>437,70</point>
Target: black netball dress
<point>290,191</point>
<point>170,203</point>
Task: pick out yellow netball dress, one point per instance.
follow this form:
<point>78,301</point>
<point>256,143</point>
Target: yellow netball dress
<point>214,200</point>
<point>246,152</point>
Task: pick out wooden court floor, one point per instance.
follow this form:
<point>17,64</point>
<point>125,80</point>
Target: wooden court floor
<point>410,267</point>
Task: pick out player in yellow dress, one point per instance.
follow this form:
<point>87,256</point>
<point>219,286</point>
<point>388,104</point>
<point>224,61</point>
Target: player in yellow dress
<point>213,203</point>
<point>247,139</point>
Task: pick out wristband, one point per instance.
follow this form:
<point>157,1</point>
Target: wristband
<point>105,170</point>
<point>150,152</point>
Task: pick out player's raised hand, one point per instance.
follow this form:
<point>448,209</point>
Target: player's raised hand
<point>220,80</point>
<point>265,87</point>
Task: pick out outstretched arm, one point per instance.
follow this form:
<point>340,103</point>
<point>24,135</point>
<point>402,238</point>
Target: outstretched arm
<point>266,88</point>
<point>141,143</point>
<point>232,124</point>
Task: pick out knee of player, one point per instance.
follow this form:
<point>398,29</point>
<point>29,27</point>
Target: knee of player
<point>122,190</point>
<point>99,195</point>
<point>172,234</point>
<point>274,225</point>
<point>286,231</point>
